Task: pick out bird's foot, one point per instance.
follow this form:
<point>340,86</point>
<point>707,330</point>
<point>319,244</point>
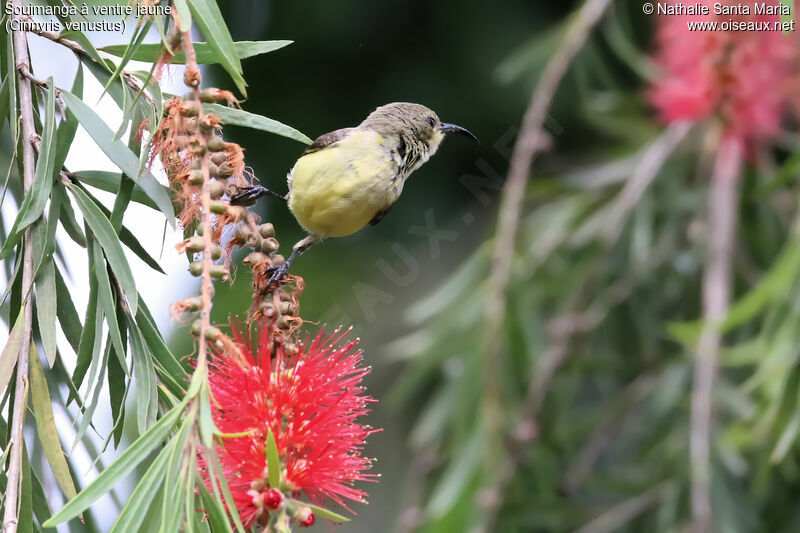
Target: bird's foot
<point>248,195</point>
<point>277,273</point>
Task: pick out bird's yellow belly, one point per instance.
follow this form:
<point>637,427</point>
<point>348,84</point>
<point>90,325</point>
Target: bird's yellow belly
<point>337,191</point>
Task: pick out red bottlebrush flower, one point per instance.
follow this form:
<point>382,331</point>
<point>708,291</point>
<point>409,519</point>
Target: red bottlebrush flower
<point>748,78</point>
<point>309,395</point>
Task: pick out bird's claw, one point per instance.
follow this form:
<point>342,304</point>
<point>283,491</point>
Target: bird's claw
<point>277,273</point>
<point>248,195</point>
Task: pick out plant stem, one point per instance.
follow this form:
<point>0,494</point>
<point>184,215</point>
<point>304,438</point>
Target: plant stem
<point>722,215</point>
<point>14,473</point>
<point>531,140</point>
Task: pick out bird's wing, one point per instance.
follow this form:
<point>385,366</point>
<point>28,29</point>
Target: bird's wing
<point>380,215</point>
<point>326,140</point>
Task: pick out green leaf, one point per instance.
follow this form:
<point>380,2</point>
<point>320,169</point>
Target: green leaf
<point>67,315</point>
<point>183,18</point>
<point>120,468</point>
<point>135,511</point>
<point>207,16</point>
<point>273,461</point>
<point>456,477</point>
<point>46,308</point>
<point>107,238</point>
<point>321,512</point>
<point>173,374</point>
<point>68,128</point>
<point>237,117</point>
<point>214,510</point>
<point>120,154</point>
<point>33,204</point>
<point>106,297</point>
<point>109,182</point>
<point>146,392</point>
<point>46,427</point>
<point>67,217</point>
<point>205,53</point>
<point>10,353</point>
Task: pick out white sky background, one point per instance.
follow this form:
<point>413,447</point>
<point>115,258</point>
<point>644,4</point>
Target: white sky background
<point>157,290</point>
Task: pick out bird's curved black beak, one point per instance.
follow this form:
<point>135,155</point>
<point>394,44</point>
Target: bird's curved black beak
<point>452,128</point>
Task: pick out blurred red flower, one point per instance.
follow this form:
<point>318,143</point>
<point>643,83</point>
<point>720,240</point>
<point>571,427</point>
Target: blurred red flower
<point>310,396</point>
<point>748,78</point>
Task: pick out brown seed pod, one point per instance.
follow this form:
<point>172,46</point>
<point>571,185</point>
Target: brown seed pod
<point>287,308</point>
<point>216,252</point>
<point>283,323</point>
<point>237,213</point>
<point>277,260</point>
<point>196,327</point>
<point>195,177</point>
<point>225,170</point>
<point>216,189</point>
<point>254,258</point>
<point>195,244</point>
<point>215,143</point>
<point>266,230</point>
<point>269,245</point>
<point>189,108</point>
<point>219,157</point>
<point>242,235</point>
<point>218,207</point>
<point>196,268</point>
<point>213,333</point>
<point>219,272</point>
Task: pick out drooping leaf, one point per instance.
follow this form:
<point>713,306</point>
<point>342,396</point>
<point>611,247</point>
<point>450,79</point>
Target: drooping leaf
<point>101,227</point>
<point>237,117</point>
<point>33,204</point>
<point>67,315</point>
<point>46,426</point>
<point>207,16</point>
<point>10,353</point>
<point>120,154</point>
<point>205,54</point>
<point>121,467</point>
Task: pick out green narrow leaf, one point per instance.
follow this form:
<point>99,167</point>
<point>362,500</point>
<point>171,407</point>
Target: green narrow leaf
<point>106,297</point>
<point>67,314</point>
<point>120,154</point>
<point>67,216</point>
<point>135,511</point>
<point>237,117</point>
<point>205,53</point>
<point>145,378</point>
<point>32,207</point>
<point>46,308</point>
<point>8,357</point>
<point>91,324</point>
<point>46,427</point>
<point>184,18</point>
<point>68,128</point>
<point>25,515</point>
<point>216,513</point>
<point>321,512</point>
<point>121,467</point>
<point>273,461</point>
<point>109,182</point>
<point>107,238</point>
<point>207,16</point>
<point>171,367</point>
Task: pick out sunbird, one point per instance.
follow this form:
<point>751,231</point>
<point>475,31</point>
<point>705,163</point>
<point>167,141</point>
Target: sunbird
<point>351,177</point>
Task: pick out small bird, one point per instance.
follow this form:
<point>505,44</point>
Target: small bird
<point>351,177</point>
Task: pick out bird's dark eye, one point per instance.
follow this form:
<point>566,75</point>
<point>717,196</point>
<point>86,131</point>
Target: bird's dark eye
<point>431,122</point>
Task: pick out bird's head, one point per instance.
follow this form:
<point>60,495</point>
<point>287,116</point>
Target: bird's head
<point>413,122</point>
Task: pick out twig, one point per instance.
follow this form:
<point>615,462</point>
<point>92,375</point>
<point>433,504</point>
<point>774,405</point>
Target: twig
<point>131,80</point>
<point>14,473</point>
<point>530,141</point>
<point>722,215</point>
<point>192,78</point>
<point>643,175</point>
